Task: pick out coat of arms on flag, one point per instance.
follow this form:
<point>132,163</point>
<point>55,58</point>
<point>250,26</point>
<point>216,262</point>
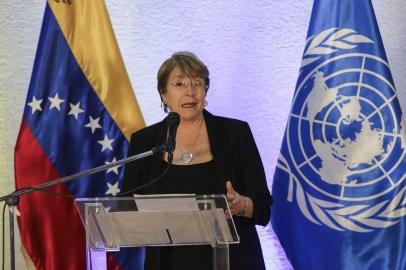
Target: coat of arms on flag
<point>340,177</point>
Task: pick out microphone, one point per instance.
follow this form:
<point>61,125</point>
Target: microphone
<point>173,121</point>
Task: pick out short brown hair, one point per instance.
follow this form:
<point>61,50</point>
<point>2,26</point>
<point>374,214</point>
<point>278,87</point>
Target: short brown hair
<point>188,62</point>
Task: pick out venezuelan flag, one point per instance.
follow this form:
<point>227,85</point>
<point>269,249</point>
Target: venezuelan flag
<point>80,113</point>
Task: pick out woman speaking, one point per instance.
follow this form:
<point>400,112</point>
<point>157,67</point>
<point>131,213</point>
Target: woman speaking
<point>213,155</point>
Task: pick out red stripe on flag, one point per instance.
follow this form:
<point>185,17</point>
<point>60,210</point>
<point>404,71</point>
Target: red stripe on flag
<point>51,241</point>
<point>112,262</point>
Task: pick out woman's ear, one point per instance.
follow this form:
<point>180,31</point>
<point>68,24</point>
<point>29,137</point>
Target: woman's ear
<point>163,97</point>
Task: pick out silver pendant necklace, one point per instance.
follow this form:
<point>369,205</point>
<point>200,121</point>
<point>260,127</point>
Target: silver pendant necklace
<point>187,157</point>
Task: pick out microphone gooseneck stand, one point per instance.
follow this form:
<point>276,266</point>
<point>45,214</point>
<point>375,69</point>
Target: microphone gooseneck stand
<point>12,199</point>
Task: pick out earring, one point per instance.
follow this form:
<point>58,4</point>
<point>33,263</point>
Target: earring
<point>205,103</point>
<point>163,105</point>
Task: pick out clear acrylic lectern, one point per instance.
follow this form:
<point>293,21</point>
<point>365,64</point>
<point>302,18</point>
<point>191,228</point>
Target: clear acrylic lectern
<point>156,220</point>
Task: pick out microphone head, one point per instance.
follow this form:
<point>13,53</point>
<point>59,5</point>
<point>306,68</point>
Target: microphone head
<point>173,119</point>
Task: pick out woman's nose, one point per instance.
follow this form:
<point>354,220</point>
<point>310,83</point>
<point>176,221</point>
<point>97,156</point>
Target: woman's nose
<point>190,91</point>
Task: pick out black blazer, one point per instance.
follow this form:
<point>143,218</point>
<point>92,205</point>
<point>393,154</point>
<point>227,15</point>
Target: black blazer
<point>236,159</point>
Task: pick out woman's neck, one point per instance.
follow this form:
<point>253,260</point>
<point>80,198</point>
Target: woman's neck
<point>191,124</point>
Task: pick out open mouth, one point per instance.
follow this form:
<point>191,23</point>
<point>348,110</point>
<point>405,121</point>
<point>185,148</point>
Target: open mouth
<point>188,105</point>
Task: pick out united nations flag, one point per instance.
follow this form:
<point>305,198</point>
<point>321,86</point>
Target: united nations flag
<point>339,187</point>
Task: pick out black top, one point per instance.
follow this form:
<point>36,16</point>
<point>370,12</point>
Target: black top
<point>235,158</point>
<point>188,179</point>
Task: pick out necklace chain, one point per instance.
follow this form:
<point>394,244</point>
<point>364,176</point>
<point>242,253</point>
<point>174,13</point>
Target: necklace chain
<point>187,156</point>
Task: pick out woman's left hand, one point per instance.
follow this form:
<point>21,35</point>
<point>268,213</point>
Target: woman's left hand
<point>239,205</point>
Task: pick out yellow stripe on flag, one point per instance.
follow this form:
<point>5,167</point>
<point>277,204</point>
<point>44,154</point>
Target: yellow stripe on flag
<point>87,28</point>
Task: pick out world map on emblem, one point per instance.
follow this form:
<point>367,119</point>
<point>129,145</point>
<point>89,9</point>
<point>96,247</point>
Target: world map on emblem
<point>345,135</point>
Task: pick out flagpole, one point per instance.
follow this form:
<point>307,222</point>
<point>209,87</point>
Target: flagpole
<point>12,246</point>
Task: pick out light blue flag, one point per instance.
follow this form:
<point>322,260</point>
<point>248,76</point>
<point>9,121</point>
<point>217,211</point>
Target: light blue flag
<point>339,186</point>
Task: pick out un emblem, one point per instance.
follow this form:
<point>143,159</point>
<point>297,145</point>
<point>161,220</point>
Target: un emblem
<point>346,137</point>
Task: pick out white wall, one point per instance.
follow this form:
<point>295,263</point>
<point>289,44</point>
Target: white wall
<point>252,48</point>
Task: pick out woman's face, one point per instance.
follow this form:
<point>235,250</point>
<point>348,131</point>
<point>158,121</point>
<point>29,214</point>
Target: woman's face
<point>185,95</point>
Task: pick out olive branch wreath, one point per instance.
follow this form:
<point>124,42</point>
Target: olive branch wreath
<point>330,41</point>
<point>360,218</point>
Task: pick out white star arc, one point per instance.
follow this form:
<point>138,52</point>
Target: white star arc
<point>112,189</point>
<point>75,110</point>
<point>93,123</point>
<point>106,143</point>
<point>35,105</point>
<point>56,102</point>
